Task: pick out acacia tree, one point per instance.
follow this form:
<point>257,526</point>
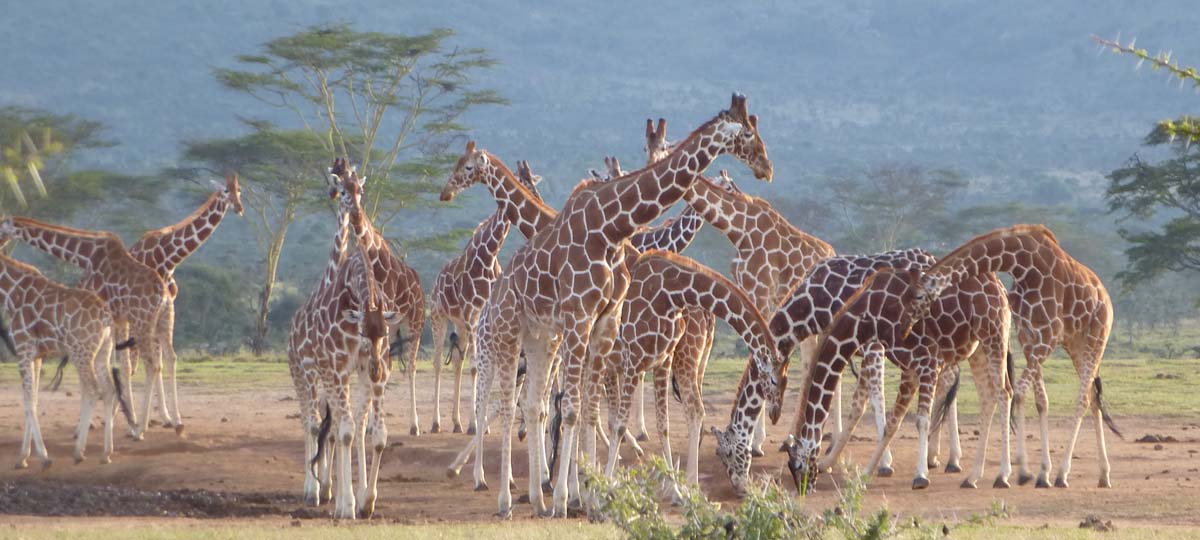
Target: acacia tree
<point>35,146</point>
<point>1168,191</point>
<point>283,180</point>
<point>893,204</point>
<point>390,102</point>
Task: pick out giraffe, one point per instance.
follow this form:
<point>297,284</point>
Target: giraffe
<point>400,286</point>
<point>563,288</point>
<point>163,250</point>
<point>773,256</point>
<point>134,292</point>
<point>974,314</point>
<point>662,286</point>
<point>459,291</point>
<point>342,317</point>
<point>813,303</point>
<point>1057,301</point>
<point>47,318</point>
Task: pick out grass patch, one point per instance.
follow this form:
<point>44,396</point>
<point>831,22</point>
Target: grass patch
<point>137,530</point>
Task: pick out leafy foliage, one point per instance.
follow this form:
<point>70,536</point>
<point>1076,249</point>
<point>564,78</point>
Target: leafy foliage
<point>894,204</point>
<point>36,143</point>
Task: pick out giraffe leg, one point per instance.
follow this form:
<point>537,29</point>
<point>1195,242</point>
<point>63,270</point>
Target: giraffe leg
<point>108,393</point>
<point>639,410</point>
<point>953,462</point>
<point>694,409</point>
<point>312,487</point>
<point>908,386</point>
<point>1086,358</point>
<point>29,397</point>
<point>575,340</point>
<point>167,337</point>
<point>662,400</point>
<point>926,389</point>
<point>413,351</point>
<point>89,390</point>
<point>379,437</point>
<point>460,361</point>
<point>538,360</point>
<point>623,396</point>
<point>439,322</point>
<point>507,380</point>
<point>362,417</point>
<point>153,372</point>
<point>857,408</point>
<point>344,497</point>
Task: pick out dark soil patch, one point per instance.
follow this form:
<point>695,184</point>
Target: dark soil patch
<point>42,498</point>
<point>1153,438</point>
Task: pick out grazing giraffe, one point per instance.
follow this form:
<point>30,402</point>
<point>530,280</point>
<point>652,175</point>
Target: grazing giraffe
<point>564,288</point>
<point>165,249</point>
<point>458,293</point>
<point>341,318</point>
<point>134,292</point>
<point>662,285</point>
<point>48,318</point>
<point>811,306</point>
<point>974,314</point>
<point>773,256</point>
<point>401,289</point>
<point>1057,301</point>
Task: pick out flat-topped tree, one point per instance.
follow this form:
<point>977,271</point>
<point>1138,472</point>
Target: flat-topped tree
<point>392,103</point>
<point>565,286</point>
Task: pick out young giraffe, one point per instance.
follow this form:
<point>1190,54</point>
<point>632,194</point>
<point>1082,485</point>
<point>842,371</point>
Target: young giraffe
<point>972,314</point>
<point>1058,301</point>
<point>565,285</point>
<point>165,249</point>
<point>48,318</point>
<point>135,293</point>
<point>458,293</point>
<point>811,306</point>
<point>401,289</point>
<point>343,316</point>
<point>662,286</point>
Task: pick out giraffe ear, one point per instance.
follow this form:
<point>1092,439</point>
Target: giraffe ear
<point>217,185</point>
<point>789,444</point>
<point>391,318</point>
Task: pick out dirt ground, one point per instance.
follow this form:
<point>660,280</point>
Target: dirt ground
<point>240,458</point>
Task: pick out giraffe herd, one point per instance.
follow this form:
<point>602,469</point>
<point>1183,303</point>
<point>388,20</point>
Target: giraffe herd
<point>592,300</point>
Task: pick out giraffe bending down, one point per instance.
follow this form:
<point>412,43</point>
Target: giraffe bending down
<point>341,318</point>
<point>1057,301</point>
<point>972,314</point>
<point>662,285</point>
<point>811,306</point>
<point>772,257</point>
<point>565,286</point>
<point>163,250</point>
<point>135,293</point>
<point>458,293</point>
<point>49,318</point>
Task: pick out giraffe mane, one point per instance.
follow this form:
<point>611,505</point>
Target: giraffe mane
<point>187,220</point>
<point>520,186</point>
<point>66,230</point>
<point>1009,232</point>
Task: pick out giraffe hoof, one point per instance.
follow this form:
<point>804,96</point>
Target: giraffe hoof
<point>1001,483</point>
<point>505,514</point>
<point>885,472</point>
<point>1024,478</point>
<point>1060,482</point>
<point>1042,483</point>
<point>414,431</point>
<point>21,465</point>
<point>46,463</point>
<point>523,499</point>
<point>79,458</point>
<point>757,453</point>
<point>481,487</point>
<point>547,487</point>
<point>521,435</point>
<point>470,430</point>
<point>106,460</point>
<point>435,428</point>
<point>1104,483</point>
<point>968,484</point>
<point>156,423</point>
<point>451,473</point>
<point>457,428</point>
<point>953,468</point>
<point>179,430</point>
<point>935,463</point>
<point>642,437</point>
<point>920,483</point>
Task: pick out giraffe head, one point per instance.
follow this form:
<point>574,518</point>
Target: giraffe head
<point>734,453</point>
<point>230,192</point>
<point>371,321</point>
<point>468,171</point>
<point>725,182</point>
<point>346,186</point>
<point>733,444</point>
<point>525,176</point>
<point>657,146</point>
<point>924,289</point>
<point>742,140</point>
<point>802,462</point>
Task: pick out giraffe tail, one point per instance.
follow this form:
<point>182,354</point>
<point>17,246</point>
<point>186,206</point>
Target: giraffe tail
<point>1010,368</point>
<point>1108,421</point>
<point>56,380</point>
<point>126,409</point>
<point>941,409</point>
<point>675,389</point>
<point>555,430</point>
<point>8,339</point>
<point>125,344</point>
<point>322,436</point>
<point>396,349</point>
<point>454,346</point>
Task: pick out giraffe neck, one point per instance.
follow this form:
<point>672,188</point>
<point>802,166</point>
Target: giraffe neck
<point>675,237</point>
<point>720,208</point>
<point>15,278</point>
<point>1016,251</point>
<point>520,206</point>
<point>184,238</point>
<point>641,196</point>
<point>85,249</point>
<point>488,239</point>
<point>337,253</point>
<point>833,355</point>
